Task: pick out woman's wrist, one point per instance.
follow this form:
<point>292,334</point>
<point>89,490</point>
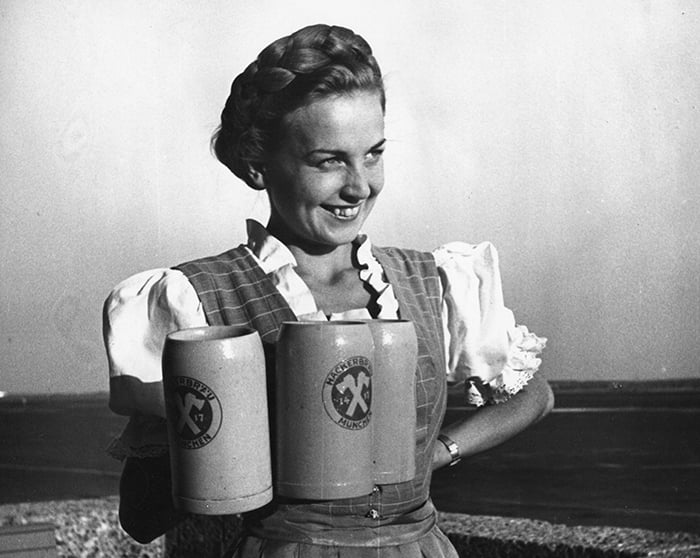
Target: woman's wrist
<point>452,448</point>
<point>446,452</point>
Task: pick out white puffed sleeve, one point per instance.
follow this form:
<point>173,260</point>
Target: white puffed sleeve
<point>484,347</point>
<point>138,314</point>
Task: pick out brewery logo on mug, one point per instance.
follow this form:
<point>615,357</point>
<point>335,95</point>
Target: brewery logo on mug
<point>347,393</point>
<point>198,410</point>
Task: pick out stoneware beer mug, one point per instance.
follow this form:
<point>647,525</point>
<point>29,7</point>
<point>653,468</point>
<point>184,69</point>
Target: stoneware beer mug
<point>324,402</point>
<point>394,400</point>
<point>216,405</point>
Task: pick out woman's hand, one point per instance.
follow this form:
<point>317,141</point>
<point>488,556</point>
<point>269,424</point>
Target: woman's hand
<point>146,509</point>
<point>492,425</point>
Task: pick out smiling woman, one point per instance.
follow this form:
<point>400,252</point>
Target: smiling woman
<point>305,123</point>
<point>326,173</point>
<point>322,181</point>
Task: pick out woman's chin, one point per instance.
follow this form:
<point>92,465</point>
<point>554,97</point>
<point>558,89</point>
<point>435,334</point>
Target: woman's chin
<point>331,239</point>
<point>323,234</point>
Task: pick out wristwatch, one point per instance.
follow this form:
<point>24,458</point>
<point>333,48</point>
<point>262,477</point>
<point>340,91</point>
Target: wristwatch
<point>452,447</point>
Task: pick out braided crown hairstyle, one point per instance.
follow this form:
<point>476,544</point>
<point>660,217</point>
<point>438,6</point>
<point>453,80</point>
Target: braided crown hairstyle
<point>314,62</point>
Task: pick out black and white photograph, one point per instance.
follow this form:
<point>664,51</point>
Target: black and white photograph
<point>370,279</point>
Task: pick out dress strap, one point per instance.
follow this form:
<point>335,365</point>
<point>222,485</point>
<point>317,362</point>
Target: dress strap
<point>234,290</point>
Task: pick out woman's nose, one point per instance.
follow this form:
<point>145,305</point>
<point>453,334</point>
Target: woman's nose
<point>356,183</point>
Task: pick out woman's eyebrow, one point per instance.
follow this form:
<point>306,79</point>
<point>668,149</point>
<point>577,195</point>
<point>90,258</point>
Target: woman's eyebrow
<point>378,145</point>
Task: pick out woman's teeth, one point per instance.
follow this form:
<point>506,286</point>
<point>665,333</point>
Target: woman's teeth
<point>346,212</point>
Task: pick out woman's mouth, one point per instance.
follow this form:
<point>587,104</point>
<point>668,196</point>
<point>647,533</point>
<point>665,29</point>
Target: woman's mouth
<point>344,212</point>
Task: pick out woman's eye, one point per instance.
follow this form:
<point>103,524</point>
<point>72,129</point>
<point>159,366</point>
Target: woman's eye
<point>329,163</point>
<point>374,156</point>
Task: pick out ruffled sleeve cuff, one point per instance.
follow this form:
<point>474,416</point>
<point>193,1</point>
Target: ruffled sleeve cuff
<point>485,349</point>
<point>522,364</point>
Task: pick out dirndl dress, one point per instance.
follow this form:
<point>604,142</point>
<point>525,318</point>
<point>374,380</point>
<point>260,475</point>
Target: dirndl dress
<point>395,520</point>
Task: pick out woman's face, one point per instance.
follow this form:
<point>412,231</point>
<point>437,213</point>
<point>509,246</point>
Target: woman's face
<point>327,171</point>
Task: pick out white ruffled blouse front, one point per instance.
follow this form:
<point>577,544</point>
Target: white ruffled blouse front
<point>483,345</point>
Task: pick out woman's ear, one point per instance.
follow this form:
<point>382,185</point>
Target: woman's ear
<point>256,176</point>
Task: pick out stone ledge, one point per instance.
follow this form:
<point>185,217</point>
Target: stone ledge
<point>83,527</point>
<point>91,528</point>
<point>499,537</point>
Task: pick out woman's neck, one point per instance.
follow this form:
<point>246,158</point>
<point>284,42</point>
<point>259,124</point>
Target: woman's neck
<point>323,266</point>
<point>333,279</point>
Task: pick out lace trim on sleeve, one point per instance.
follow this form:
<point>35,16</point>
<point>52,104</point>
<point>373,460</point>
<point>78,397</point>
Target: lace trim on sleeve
<point>118,450</point>
<point>143,436</point>
<point>523,363</point>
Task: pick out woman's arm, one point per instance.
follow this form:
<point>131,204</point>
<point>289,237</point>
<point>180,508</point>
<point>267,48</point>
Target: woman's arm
<point>138,314</point>
<point>492,425</point>
<point>130,396</point>
<point>485,344</point>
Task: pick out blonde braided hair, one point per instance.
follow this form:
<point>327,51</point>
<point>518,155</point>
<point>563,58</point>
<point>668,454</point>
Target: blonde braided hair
<point>314,62</point>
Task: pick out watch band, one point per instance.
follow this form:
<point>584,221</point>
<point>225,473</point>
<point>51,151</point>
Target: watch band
<point>452,447</point>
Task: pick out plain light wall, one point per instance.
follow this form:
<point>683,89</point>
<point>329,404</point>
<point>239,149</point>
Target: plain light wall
<point>567,133</point>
